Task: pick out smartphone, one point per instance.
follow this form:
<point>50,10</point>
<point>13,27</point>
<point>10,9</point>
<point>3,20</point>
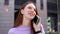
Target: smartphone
<point>36,19</point>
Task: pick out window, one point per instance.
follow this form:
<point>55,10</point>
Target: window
<point>41,4</point>
<point>6,2</point>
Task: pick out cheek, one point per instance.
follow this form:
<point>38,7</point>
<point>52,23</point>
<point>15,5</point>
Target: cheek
<point>25,12</point>
<point>35,13</point>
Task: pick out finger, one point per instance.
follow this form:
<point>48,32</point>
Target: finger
<point>35,23</point>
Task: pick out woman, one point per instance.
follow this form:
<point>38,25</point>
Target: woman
<point>24,23</point>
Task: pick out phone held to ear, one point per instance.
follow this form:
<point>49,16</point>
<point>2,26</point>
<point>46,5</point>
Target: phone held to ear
<point>36,19</point>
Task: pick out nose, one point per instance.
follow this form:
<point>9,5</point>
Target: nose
<point>32,10</point>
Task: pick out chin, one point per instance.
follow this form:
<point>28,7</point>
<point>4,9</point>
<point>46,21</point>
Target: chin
<point>31,18</point>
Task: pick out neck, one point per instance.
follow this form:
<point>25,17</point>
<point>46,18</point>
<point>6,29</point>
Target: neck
<point>26,22</point>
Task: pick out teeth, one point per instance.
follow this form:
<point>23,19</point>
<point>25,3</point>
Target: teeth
<point>31,14</point>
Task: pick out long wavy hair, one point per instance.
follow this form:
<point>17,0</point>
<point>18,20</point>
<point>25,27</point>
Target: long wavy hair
<point>19,18</point>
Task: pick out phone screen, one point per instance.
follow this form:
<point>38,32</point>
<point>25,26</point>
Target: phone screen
<point>36,20</point>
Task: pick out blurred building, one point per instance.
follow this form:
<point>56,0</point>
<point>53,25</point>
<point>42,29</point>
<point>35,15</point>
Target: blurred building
<point>6,15</point>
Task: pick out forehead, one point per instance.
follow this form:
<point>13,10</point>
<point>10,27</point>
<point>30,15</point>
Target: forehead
<point>30,5</point>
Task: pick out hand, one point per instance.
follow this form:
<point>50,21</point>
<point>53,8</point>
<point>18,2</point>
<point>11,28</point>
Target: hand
<point>37,27</point>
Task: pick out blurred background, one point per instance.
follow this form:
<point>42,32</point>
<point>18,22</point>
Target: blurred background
<point>49,11</point>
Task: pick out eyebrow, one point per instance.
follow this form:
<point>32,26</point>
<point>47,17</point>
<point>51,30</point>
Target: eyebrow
<point>31,7</point>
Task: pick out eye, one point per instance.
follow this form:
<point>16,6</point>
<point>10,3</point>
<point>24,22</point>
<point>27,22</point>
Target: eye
<point>29,7</point>
<point>34,9</point>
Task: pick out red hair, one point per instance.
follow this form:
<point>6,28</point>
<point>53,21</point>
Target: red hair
<point>19,18</point>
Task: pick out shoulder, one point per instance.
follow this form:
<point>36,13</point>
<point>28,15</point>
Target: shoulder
<point>42,29</point>
<point>41,25</point>
<point>15,30</point>
<point>11,31</point>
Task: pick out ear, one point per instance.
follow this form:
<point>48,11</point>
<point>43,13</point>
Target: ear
<point>22,12</point>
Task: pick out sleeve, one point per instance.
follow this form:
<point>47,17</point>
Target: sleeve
<point>43,32</point>
<point>10,31</point>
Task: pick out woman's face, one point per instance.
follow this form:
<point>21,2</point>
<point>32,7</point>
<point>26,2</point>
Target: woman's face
<point>29,11</point>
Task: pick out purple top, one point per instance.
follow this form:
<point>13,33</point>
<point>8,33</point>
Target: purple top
<point>23,30</point>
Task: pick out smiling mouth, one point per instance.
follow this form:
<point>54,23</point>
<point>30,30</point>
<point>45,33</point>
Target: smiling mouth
<point>31,14</point>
